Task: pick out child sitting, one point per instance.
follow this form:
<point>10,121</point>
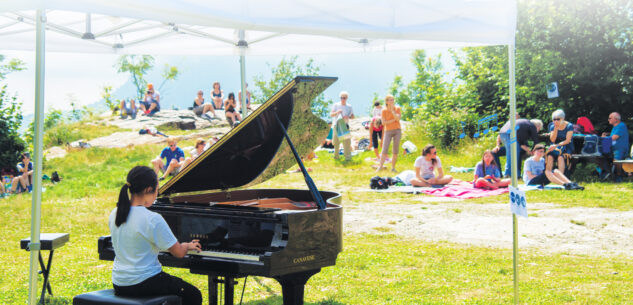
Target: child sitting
<point>487,173</point>
<point>534,172</point>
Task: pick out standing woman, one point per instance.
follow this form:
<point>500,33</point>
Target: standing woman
<point>390,117</point>
<point>137,236</point>
<point>561,133</point>
<point>217,96</point>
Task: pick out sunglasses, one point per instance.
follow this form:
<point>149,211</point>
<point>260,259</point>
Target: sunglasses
<point>172,145</point>
<point>343,97</point>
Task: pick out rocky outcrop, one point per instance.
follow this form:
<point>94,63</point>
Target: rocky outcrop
<point>180,119</point>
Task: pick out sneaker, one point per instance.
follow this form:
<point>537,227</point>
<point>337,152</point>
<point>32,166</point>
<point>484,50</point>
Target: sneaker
<point>30,188</point>
<point>567,186</point>
<point>206,116</point>
<point>575,186</point>
<point>161,178</point>
<point>393,170</point>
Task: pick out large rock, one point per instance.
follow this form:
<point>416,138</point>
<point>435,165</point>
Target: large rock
<point>181,119</point>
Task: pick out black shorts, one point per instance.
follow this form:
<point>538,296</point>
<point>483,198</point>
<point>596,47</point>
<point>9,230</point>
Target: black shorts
<point>375,136</point>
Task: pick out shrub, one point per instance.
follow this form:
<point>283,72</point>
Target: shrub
<point>444,129</point>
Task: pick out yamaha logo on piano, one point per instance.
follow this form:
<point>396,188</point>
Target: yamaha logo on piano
<point>304,259</point>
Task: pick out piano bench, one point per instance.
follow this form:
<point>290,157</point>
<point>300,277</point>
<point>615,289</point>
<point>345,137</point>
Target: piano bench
<point>107,297</point>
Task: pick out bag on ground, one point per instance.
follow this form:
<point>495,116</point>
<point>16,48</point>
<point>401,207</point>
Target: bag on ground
<point>378,183</point>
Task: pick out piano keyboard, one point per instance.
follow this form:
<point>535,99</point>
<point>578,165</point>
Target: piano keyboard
<point>208,253</point>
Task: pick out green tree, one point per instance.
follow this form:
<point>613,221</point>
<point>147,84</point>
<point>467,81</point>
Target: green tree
<point>138,66</point>
<point>283,73</point>
<point>10,118</point>
<point>584,46</point>
<point>106,95</point>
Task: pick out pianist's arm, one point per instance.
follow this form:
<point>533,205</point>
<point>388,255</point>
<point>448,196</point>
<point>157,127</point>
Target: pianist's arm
<point>180,249</point>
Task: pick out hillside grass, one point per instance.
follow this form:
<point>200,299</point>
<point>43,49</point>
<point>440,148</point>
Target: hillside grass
<point>372,269</point>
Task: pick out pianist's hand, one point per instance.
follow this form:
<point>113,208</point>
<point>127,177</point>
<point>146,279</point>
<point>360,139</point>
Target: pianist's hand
<point>194,245</point>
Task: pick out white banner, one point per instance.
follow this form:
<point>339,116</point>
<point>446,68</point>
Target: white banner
<point>518,203</point>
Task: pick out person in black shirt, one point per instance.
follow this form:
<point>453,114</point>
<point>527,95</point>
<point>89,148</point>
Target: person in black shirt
<point>526,130</point>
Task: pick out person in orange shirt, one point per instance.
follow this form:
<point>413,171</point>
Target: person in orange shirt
<point>390,116</point>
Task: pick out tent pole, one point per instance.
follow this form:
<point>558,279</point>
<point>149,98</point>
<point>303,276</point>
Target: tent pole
<point>34,246</point>
<point>243,45</point>
<point>513,164</point>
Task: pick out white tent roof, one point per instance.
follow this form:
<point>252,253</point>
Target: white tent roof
<point>271,26</point>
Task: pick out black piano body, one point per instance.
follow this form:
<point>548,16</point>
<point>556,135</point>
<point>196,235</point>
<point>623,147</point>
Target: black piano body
<point>286,234</point>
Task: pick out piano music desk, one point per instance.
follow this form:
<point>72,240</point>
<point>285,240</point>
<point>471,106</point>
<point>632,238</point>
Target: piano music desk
<point>50,242</point>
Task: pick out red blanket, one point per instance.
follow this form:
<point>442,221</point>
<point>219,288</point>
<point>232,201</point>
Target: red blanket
<point>462,190</point>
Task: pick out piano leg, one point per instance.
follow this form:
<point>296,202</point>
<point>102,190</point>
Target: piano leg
<point>292,286</point>
<point>229,290</point>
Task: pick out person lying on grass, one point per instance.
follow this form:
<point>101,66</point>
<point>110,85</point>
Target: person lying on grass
<point>487,173</point>
<point>425,166</point>
<point>138,234</point>
<point>534,172</point>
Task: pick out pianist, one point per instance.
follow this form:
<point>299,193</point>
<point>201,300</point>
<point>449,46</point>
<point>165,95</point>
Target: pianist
<point>138,234</point>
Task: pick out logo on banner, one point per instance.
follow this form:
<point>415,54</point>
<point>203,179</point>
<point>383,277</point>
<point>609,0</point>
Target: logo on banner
<point>518,203</point>
<point>552,90</point>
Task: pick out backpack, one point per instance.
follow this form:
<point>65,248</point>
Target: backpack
<point>377,183</point>
<point>591,146</point>
<point>55,177</point>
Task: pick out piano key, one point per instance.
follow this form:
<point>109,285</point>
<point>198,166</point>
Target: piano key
<point>245,257</point>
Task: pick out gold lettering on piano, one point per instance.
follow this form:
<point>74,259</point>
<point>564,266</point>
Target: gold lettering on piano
<point>304,259</point>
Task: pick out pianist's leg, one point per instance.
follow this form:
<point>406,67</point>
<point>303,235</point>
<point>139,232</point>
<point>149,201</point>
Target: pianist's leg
<point>162,284</point>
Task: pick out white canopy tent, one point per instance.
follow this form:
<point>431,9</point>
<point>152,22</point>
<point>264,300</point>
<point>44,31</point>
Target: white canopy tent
<point>264,27</point>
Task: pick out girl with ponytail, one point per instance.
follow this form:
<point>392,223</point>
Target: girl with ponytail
<point>138,234</point>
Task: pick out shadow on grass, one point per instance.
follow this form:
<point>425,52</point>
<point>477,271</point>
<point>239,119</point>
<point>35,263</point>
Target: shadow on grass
<point>275,300</point>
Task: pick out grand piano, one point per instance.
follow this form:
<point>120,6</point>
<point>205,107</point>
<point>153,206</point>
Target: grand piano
<point>285,234</point>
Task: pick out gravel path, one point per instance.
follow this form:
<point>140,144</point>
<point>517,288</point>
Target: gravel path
<point>550,228</point>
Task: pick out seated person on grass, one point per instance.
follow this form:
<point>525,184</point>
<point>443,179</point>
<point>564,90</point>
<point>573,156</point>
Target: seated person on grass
<point>174,157</point>
<point>534,172</point>
<point>128,110</point>
<point>151,103</point>
<point>25,173</point>
<point>198,149</point>
<point>487,173</point>
<point>424,167</point>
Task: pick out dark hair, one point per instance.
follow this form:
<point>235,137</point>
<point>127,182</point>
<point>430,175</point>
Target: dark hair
<point>538,146</point>
<point>427,150</point>
<point>138,180</point>
<point>25,155</point>
<point>231,96</point>
<point>377,104</point>
<point>483,163</point>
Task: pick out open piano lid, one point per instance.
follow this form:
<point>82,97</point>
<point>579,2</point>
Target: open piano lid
<point>255,150</point>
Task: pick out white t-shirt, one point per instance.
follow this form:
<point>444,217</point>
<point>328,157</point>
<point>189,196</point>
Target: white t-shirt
<point>377,112</point>
<point>136,244</point>
<point>154,96</point>
<point>426,167</point>
<point>347,111</point>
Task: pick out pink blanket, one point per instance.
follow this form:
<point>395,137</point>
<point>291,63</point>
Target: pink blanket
<point>462,190</point>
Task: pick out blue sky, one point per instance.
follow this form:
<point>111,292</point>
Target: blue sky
<point>81,77</point>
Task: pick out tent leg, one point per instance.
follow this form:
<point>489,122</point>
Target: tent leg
<point>514,147</point>
<point>34,246</point>
<point>242,38</point>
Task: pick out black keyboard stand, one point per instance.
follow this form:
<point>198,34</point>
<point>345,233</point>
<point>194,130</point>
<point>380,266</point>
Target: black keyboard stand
<point>50,242</point>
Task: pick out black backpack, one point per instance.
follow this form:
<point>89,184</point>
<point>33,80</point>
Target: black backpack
<point>55,177</point>
<point>377,183</point>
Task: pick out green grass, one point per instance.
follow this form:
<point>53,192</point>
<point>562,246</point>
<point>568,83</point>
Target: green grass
<point>64,133</point>
<point>372,269</point>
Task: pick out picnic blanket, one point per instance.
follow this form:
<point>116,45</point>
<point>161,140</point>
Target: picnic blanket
<point>462,190</point>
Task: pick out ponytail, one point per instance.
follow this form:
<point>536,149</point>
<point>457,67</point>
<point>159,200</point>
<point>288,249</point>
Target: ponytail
<point>139,179</point>
<point>122,206</point>
<point>427,149</point>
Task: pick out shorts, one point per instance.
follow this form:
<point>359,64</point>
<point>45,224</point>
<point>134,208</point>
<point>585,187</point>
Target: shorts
<point>230,110</point>
<point>619,154</point>
<point>198,110</point>
<point>173,173</point>
<point>149,104</point>
<point>375,136</point>
<point>539,180</point>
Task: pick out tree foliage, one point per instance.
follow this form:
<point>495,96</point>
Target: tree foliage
<point>10,118</point>
<point>138,66</point>
<point>284,72</point>
<point>584,46</point>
